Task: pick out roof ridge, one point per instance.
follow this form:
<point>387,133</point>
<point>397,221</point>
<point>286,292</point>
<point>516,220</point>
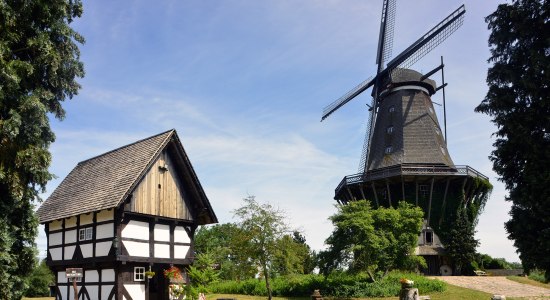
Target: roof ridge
<point>128,145</point>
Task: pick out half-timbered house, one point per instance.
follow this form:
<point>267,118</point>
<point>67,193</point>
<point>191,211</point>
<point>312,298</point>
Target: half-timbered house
<point>124,213</point>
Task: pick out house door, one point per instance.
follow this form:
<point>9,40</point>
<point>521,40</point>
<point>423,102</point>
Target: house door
<point>157,288</point>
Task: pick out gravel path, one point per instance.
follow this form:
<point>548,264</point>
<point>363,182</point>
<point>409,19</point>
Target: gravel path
<point>498,285</point>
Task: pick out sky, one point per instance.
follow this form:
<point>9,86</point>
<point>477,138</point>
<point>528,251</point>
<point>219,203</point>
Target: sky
<point>244,83</point>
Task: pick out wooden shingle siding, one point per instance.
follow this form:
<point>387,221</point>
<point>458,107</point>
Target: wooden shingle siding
<point>160,192</point>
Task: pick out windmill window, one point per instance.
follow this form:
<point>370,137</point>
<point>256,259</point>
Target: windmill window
<point>85,234</point>
<point>389,150</point>
<point>139,273</point>
<point>429,237</point>
<point>389,130</point>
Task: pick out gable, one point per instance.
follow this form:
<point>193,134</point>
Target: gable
<point>161,191</point>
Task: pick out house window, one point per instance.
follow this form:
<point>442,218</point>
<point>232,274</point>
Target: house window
<point>391,109</point>
<point>78,279</point>
<point>85,234</point>
<point>139,273</point>
<point>389,130</point>
<point>389,149</point>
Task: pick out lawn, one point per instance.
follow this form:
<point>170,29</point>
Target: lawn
<point>529,281</point>
<point>452,292</point>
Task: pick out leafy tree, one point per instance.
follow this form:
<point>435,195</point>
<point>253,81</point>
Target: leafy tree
<point>518,102</point>
<point>220,242</point>
<point>293,256</point>
<point>39,281</point>
<point>371,240</point>
<point>263,225</point>
<point>39,61</point>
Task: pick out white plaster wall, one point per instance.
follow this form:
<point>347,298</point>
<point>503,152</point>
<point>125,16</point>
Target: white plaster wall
<point>70,236</point>
<point>162,251</point>
<point>91,275</point>
<point>137,248</point>
<point>54,239</point>
<point>102,249</point>
<point>104,231</point>
<point>69,251</point>
<point>86,219</point>
<point>181,251</point>
<point>136,291</point>
<point>162,232</point>
<point>180,235</point>
<point>107,275</point>
<point>105,291</point>
<point>63,291</point>
<point>87,250</point>
<point>105,215</point>
<point>136,230</point>
<point>93,292</point>
<point>61,277</point>
<point>56,254</point>
<point>55,225</point>
<point>70,222</point>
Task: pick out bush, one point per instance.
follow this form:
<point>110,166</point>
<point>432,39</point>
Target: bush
<point>538,276</point>
<point>340,285</point>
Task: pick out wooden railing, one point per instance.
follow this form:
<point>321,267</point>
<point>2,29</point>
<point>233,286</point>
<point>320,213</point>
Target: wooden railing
<point>409,169</point>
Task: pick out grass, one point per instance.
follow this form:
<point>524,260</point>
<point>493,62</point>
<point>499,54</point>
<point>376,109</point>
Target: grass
<point>43,298</point>
<point>528,281</point>
<point>452,292</point>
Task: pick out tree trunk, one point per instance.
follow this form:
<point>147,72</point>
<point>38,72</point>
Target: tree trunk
<point>267,285</point>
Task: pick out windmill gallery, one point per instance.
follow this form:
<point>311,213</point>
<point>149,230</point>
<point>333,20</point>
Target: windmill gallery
<point>135,209</point>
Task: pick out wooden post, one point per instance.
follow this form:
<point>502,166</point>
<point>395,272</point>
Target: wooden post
<point>75,289</point>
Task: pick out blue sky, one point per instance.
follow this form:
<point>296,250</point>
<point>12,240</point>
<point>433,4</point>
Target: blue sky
<point>244,84</point>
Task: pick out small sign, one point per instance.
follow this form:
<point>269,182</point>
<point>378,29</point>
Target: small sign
<point>73,272</point>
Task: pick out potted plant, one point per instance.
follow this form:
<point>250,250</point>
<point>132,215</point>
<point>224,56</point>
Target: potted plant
<point>406,283</point>
<point>149,274</point>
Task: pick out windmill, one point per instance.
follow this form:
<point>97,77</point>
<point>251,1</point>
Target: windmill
<point>405,156</point>
<point>383,78</point>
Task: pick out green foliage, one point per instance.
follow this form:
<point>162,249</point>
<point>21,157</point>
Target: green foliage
<point>371,240</point>
<point>39,61</point>
<point>293,256</point>
<point>202,272</point>
<point>338,284</point>
<point>484,261</point>
<point>221,243</point>
<point>460,243</point>
<point>261,226</point>
<point>538,275</point>
<point>518,102</point>
<point>39,280</point>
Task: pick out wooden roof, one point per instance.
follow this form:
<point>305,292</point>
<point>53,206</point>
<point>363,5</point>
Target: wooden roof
<point>105,181</point>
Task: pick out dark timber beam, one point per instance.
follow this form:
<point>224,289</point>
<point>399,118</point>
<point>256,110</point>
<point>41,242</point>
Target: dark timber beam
<point>430,201</point>
<point>403,188</point>
<point>362,194</point>
<point>388,191</point>
<point>375,195</point>
<point>444,201</point>
<point>416,191</point>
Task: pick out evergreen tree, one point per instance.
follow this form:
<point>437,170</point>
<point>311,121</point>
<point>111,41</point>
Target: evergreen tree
<point>39,61</point>
<point>518,101</point>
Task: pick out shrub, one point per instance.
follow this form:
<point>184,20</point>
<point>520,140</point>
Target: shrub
<point>538,276</point>
<point>338,284</point>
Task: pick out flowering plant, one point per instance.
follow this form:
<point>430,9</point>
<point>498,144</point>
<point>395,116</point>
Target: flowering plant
<point>149,274</point>
<point>406,282</point>
<point>173,273</point>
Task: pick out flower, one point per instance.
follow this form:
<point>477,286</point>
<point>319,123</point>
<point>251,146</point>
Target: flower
<point>173,273</point>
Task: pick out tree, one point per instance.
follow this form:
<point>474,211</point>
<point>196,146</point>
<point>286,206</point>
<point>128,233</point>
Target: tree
<point>202,273</point>
<point>518,102</point>
<point>371,240</point>
<point>39,61</point>
<point>262,225</point>
<point>460,243</point>
<point>39,281</point>
<point>220,242</point>
<point>293,256</point>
